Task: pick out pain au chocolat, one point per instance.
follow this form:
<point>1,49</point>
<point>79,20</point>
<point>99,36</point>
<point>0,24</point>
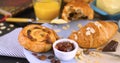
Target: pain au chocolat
<point>77,9</point>
<point>37,38</point>
<point>94,34</point>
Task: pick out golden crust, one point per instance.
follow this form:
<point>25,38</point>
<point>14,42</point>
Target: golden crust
<point>86,1</point>
<point>81,8</point>
<point>37,38</point>
<point>99,35</point>
<point>67,1</point>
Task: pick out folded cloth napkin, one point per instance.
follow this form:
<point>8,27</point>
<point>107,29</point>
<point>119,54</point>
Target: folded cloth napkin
<point>9,45</point>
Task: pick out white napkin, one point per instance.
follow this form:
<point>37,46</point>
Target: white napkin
<point>9,45</point>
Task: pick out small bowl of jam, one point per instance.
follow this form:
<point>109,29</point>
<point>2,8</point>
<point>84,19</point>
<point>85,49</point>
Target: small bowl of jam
<point>65,49</point>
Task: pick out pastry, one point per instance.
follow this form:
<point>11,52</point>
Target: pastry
<point>87,1</point>
<point>67,1</point>
<point>77,9</point>
<point>94,34</point>
<point>37,38</point>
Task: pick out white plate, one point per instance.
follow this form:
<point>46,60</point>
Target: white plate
<point>64,34</point>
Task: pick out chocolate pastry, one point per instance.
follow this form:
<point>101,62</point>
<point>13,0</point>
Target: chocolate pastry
<point>37,38</point>
<point>77,9</point>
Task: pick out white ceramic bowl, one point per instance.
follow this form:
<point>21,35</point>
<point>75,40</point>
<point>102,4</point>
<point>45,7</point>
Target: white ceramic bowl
<point>65,56</point>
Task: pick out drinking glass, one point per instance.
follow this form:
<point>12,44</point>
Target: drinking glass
<point>46,9</point>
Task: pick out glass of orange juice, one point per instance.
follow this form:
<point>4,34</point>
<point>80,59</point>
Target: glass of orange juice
<point>46,9</point>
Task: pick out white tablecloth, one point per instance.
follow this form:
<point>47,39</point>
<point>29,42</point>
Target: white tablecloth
<point>9,45</point>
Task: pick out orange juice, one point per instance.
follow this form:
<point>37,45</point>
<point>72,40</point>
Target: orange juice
<point>47,10</point>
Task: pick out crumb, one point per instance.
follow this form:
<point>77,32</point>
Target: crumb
<point>99,49</point>
<point>95,54</point>
<point>79,25</point>
<point>73,30</point>
<point>64,27</point>
<point>11,25</point>
<point>67,26</point>
<point>17,62</point>
<point>8,29</point>
<point>80,55</point>
<point>1,24</point>
<point>0,32</point>
<point>86,51</point>
<point>57,30</point>
<point>3,27</point>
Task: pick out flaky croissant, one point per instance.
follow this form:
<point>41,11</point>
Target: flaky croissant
<point>37,38</point>
<point>77,9</point>
<point>94,34</point>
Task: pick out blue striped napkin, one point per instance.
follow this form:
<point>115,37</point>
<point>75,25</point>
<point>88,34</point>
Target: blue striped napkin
<point>9,45</point>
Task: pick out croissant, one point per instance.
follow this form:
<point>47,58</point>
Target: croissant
<point>94,34</point>
<point>37,38</point>
<point>77,9</point>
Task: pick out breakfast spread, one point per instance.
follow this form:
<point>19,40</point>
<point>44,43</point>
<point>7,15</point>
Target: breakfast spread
<point>41,40</point>
<point>37,38</point>
<point>77,9</point>
<point>73,38</point>
<point>94,34</point>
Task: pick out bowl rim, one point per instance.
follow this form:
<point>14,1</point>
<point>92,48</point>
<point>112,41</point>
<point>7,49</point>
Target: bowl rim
<point>96,9</point>
<point>93,6</point>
